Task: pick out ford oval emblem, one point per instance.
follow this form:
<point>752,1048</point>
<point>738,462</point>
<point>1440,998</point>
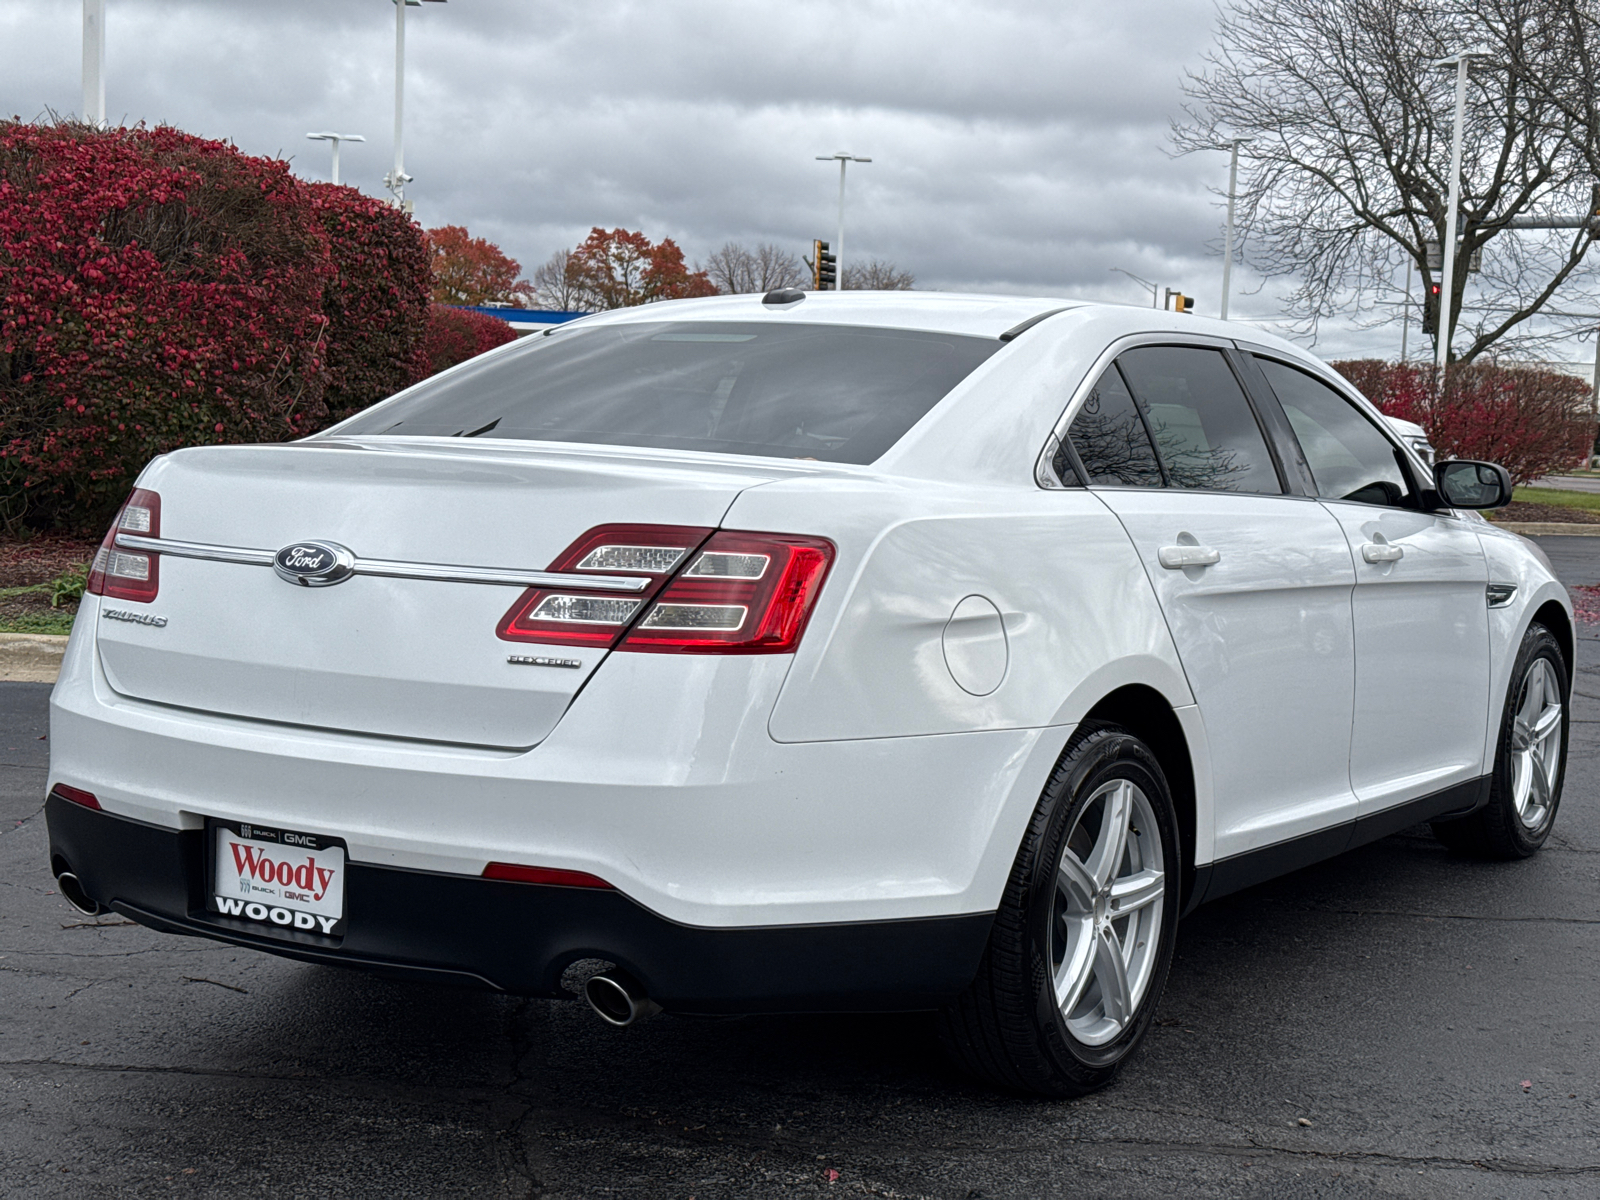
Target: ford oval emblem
<point>314,564</point>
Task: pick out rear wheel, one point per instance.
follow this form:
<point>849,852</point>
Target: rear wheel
<point>1531,761</point>
<point>1083,939</point>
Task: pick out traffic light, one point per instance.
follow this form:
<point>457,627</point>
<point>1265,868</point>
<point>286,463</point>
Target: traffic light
<point>1182,303</point>
<point>824,271</point>
<point>1430,309</point>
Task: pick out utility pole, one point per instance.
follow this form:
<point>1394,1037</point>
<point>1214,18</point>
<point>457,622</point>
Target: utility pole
<point>1405,313</point>
<point>838,245</point>
<point>1227,248</point>
<point>94,61</point>
<point>1461,60</point>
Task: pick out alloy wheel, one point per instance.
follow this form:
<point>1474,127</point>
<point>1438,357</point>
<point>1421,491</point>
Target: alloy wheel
<point>1536,739</point>
<point>1110,892</point>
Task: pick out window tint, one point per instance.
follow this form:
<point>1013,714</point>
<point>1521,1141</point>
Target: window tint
<point>831,392</point>
<point>1348,457</point>
<point>1204,428</point>
<point>1110,436</point>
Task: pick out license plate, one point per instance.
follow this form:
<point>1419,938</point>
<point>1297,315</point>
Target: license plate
<point>278,878</point>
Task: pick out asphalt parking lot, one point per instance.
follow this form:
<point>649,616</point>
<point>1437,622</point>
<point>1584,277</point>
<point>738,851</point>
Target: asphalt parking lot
<point>1393,1022</point>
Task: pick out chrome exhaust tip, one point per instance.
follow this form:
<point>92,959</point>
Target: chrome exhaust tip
<point>72,889</point>
<point>618,998</point>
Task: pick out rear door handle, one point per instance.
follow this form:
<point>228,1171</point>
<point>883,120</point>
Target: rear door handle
<point>1382,552</point>
<point>1175,558</point>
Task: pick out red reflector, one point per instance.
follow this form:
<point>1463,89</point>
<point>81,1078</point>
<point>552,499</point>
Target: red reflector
<point>547,875</point>
<point>129,574</point>
<point>743,593</point>
<point>77,796</point>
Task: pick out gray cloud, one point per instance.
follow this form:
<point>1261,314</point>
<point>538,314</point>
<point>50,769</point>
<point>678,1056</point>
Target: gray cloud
<point>1017,146</point>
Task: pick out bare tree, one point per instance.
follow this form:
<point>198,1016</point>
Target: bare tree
<point>876,275</point>
<point>736,269</point>
<point>1345,177</point>
<point>562,284</point>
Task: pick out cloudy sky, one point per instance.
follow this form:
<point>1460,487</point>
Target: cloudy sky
<point>1018,146</point>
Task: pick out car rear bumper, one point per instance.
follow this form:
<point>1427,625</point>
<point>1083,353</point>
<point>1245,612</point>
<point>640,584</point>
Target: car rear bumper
<point>520,938</point>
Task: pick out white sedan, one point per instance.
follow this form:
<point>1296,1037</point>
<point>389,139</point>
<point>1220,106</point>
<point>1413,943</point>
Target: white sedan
<point>807,652</point>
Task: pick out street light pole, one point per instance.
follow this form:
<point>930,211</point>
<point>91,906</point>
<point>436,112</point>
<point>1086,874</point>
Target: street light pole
<point>397,179</point>
<point>1461,60</point>
<point>327,135</point>
<point>1155,291</point>
<point>1227,247</point>
<point>94,61</point>
<point>838,249</point>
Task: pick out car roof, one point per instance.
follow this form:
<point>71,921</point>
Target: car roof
<point>970,314</point>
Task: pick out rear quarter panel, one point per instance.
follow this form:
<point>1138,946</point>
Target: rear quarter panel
<point>1078,616</point>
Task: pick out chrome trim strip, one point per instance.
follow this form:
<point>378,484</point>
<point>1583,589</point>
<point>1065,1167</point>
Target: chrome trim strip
<point>233,554</point>
<point>437,572</point>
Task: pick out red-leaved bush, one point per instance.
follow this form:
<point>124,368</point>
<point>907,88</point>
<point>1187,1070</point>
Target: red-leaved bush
<point>377,302</point>
<point>457,334</point>
<point>159,290</point>
<point>1530,422</point>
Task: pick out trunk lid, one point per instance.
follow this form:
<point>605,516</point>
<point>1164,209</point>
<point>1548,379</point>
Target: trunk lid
<point>392,657</point>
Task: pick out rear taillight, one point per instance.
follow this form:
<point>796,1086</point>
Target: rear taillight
<point>736,593</point>
<point>581,617</point>
<point>743,593</point>
<point>123,574</point>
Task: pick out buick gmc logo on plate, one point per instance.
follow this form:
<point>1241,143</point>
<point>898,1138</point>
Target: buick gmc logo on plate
<point>314,564</point>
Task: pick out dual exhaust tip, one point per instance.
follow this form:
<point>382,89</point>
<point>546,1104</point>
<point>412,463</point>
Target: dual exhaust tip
<point>618,998</point>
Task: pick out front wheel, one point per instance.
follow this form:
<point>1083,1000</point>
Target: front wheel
<point>1083,938</point>
<point>1530,762</point>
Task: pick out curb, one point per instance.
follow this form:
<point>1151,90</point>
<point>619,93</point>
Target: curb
<point>30,657</point>
<point>1549,528</point>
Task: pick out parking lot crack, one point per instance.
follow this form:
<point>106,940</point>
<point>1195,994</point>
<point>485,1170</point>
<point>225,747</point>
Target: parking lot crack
<point>511,1133</point>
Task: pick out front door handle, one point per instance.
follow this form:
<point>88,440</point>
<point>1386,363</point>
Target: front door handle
<point>1382,552</point>
<point>1175,558</point>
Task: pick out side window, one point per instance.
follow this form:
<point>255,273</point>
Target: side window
<point>1204,427</point>
<point>1348,457</point>
<point>1110,437</point>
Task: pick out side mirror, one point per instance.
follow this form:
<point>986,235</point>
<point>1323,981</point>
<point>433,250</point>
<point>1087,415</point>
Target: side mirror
<point>1462,483</point>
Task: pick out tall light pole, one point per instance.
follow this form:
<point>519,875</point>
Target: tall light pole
<point>94,61</point>
<point>327,135</point>
<point>397,179</point>
<point>838,249</point>
<point>1460,60</point>
<point>1227,245</point>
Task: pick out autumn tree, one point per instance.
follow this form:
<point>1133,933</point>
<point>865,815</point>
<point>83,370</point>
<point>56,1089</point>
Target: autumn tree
<point>736,269</point>
<point>474,271</point>
<point>1345,176</point>
<point>876,275</point>
<point>619,268</point>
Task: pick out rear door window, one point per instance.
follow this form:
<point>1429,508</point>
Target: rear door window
<point>834,393</point>
<point>1349,458</point>
<point>1205,431</point>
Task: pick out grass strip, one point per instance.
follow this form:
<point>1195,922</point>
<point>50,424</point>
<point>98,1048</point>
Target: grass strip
<point>1557,498</point>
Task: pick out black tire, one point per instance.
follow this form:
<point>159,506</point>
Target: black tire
<point>1007,1027</point>
<point>1498,830</point>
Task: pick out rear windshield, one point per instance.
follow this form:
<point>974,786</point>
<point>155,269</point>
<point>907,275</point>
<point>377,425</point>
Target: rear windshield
<point>828,392</point>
